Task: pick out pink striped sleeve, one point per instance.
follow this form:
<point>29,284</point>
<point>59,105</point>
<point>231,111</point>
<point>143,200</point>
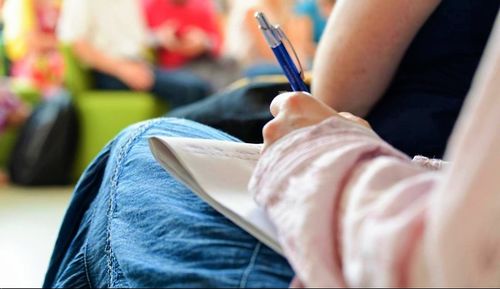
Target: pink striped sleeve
<point>306,178</point>
<point>353,211</point>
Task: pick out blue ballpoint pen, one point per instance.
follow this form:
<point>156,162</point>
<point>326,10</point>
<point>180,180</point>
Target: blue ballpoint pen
<point>274,36</point>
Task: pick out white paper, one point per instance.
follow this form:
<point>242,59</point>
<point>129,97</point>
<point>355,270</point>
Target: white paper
<point>219,173</point>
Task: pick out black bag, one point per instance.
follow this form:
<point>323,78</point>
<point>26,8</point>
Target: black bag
<point>241,111</point>
<point>46,146</point>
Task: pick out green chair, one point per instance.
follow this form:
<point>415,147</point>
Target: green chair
<point>4,63</point>
<point>7,140</point>
<point>103,114</point>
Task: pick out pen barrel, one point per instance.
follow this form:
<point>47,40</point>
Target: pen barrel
<point>289,68</point>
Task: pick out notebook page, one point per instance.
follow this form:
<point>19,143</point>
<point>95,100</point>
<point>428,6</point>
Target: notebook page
<point>219,172</point>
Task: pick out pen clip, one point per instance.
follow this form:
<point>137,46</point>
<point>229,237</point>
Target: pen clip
<point>282,35</point>
<point>274,36</point>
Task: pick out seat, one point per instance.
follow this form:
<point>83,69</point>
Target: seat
<point>102,114</point>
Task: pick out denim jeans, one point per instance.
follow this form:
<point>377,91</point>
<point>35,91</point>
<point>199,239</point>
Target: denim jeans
<point>176,87</point>
<point>130,224</point>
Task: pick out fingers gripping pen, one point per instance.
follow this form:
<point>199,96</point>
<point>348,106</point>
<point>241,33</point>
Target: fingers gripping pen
<point>275,36</point>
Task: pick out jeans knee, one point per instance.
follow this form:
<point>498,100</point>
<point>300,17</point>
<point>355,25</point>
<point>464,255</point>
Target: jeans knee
<point>132,131</point>
<point>169,127</point>
<point>160,126</point>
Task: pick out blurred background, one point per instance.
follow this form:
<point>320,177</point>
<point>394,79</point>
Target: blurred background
<point>76,72</point>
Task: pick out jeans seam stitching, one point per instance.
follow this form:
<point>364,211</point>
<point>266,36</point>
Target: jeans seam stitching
<point>85,251</point>
<point>85,265</point>
<point>124,150</point>
<point>250,266</point>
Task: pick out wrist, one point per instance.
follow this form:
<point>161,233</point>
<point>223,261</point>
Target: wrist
<point>117,67</point>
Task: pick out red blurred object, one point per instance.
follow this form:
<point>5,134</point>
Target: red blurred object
<point>184,15</point>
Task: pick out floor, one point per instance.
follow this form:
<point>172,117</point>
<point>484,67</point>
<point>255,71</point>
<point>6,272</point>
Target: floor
<point>29,222</point>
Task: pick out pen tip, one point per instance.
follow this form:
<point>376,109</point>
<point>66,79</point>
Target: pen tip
<point>261,18</point>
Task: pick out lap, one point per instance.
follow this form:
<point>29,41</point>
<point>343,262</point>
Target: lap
<point>146,229</point>
<point>179,87</point>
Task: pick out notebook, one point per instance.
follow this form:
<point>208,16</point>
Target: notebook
<point>219,173</point>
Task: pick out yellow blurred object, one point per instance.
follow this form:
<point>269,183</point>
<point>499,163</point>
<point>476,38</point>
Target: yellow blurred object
<point>19,19</point>
<point>30,43</point>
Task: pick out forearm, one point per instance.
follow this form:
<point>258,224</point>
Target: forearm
<point>96,59</point>
<point>361,49</point>
<point>40,41</point>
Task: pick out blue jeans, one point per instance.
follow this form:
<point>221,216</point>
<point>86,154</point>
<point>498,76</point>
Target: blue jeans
<point>130,224</point>
<point>177,87</point>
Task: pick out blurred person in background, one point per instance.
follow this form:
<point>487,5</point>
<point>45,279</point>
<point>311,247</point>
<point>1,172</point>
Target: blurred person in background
<point>312,16</point>
<point>248,46</point>
<point>188,30</point>
<point>189,36</point>
<point>112,38</point>
<point>31,43</point>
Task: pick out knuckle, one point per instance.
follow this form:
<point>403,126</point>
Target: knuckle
<point>270,130</point>
<point>294,101</point>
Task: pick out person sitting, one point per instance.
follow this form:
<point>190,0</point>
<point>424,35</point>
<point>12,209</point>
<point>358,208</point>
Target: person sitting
<point>114,45</point>
<point>189,37</point>
<point>415,106</point>
<point>424,89</point>
<point>31,44</point>
<point>350,209</point>
<point>189,30</point>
